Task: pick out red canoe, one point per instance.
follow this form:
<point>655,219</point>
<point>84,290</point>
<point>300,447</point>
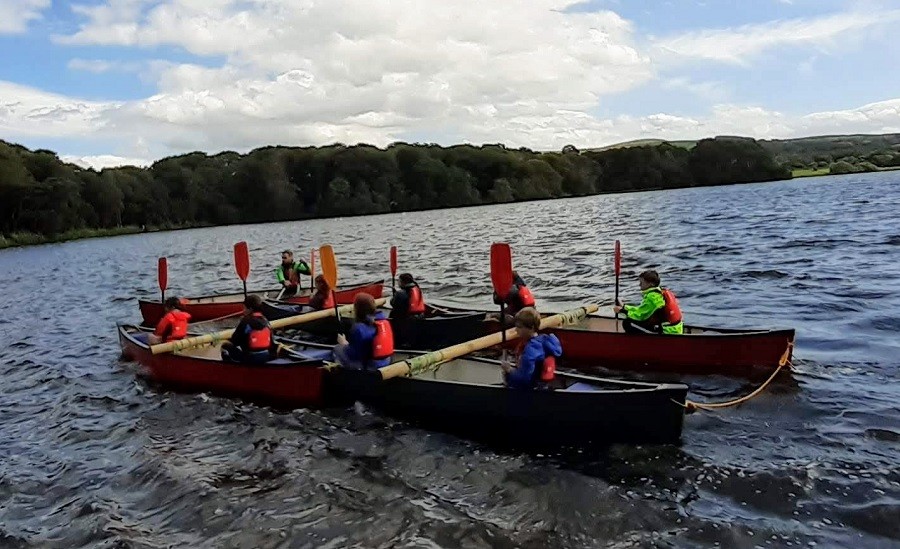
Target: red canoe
<point>222,305</point>
<point>280,382</point>
<point>598,341</point>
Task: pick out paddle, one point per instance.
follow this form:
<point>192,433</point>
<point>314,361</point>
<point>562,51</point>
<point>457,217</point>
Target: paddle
<point>618,266</point>
<point>430,361</point>
<point>312,269</point>
<point>189,342</point>
<point>242,263</point>
<point>393,270</point>
<point>162,276</point>
<point>329,271</point>
<point>501,278</point>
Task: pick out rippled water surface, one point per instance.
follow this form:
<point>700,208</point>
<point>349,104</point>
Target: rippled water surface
<point>90,456</point>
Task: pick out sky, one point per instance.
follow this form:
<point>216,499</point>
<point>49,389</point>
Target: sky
<point>112,82</point>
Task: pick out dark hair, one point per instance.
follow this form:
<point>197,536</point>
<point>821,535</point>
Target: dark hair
<point>363,307</point>
<point>529,318</point>
<point>650,276</point>
<point>253,302</point>
<point>320,279</point>
<point>407,278</point>
<point>287,252</point>
<point>172,303</point>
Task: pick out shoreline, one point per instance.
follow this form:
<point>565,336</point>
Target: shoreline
<point>22,240</point>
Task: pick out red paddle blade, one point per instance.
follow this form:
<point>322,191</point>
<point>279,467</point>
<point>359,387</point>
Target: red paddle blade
<point>501,268</point>
<point>393,260</point>
<point>618,258</point>
<point>162,273</point>
<point>242,260</point>
<point>329,265</point>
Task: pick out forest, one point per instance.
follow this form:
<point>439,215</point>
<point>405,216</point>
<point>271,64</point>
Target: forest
<point>44,199</point>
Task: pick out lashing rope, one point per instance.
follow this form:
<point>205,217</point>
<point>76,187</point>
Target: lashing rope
<point>692,406</point>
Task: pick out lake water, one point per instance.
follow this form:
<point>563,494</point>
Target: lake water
<point>90,456</point>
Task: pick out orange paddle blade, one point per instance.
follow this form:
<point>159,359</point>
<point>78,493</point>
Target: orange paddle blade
<point>329,265</point>
<point>162,273</point>
<point>393,260</point>
<point>501,268</point>
<point>618,258</point>
<point>242,260</point>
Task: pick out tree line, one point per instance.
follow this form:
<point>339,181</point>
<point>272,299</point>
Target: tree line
<point>838,154</point>
<point>41,195</point>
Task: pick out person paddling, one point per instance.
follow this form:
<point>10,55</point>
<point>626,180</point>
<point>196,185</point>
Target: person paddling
<point>658,312</point>
<point>408,301</point>
<point>252,341</point>
<point>322,298</point>
<point>173,325</point>
<point>518,297</point>
<point>536,365</point>
<point>370,342</point>
<point>288,273</point>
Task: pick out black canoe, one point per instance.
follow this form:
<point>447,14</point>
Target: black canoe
<point>466,396</point>
<point>436,330</point>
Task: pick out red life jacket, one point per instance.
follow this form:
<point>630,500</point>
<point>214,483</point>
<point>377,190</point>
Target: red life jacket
<point>259,339</point>
<point>545,370</point>
<point>173,326</point>
<point>383,342</point>
<point>672,311</point>
<point>525,296</point>
<point>328,303</point>
<point>416,301</point>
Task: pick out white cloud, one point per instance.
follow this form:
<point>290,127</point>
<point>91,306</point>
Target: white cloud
<point>737,45</point>
<point>25,111</point>
<point>16,14</point>
<point>308,72</point>
<point>101,161</point>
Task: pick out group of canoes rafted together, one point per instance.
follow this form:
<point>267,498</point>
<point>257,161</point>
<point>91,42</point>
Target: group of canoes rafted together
<point>369,343</point>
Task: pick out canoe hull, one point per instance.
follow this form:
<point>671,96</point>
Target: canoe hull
<point>524,418</point>
<point>286,383</point>
<point>599,341</point>
<point>219,306</point>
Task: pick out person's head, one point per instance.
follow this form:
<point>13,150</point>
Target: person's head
<point>406,279</point>
<point>648,279</point>
<point>252,304</point>
<point>172,303</point>
<point>528,322</point>
<point>287,257</point>
<point>322,284</point>
<point>363,307</point>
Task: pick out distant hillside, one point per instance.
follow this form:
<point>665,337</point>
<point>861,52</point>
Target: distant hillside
<point>646,143</point>
<point>819,155</point>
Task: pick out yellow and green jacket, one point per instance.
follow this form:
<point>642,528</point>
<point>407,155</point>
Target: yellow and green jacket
<point>652,309</point>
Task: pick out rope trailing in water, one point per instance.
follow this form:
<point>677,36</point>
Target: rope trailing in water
<point>692,406</point>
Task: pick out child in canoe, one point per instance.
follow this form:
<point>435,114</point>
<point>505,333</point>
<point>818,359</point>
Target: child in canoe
<point>370,342</point>
<point>658,312</point>
<point>252,341</point>
<point>173,325</point>
<point>536,364</point>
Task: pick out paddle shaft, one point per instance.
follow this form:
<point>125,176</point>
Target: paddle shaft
<point>189,342</point>
<point>430,361</point>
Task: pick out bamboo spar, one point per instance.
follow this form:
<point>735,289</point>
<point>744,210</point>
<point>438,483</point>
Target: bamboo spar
<point>423,363</point>
<point>195,341</point>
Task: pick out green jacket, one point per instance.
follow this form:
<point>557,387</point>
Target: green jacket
<point>652,302</point>
<point>299,266</point>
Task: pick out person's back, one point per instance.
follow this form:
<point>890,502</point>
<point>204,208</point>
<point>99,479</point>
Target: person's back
<point>408,301</point>
<point>252,340</point>
<point>519,296</point>
<point>370,342</point>
<point>534,353</point>
<point>173,325</point>
<point>323,298</point>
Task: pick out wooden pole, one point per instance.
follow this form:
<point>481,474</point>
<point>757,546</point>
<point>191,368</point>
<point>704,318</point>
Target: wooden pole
<point>430,361</point>
<point>195,341</point>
